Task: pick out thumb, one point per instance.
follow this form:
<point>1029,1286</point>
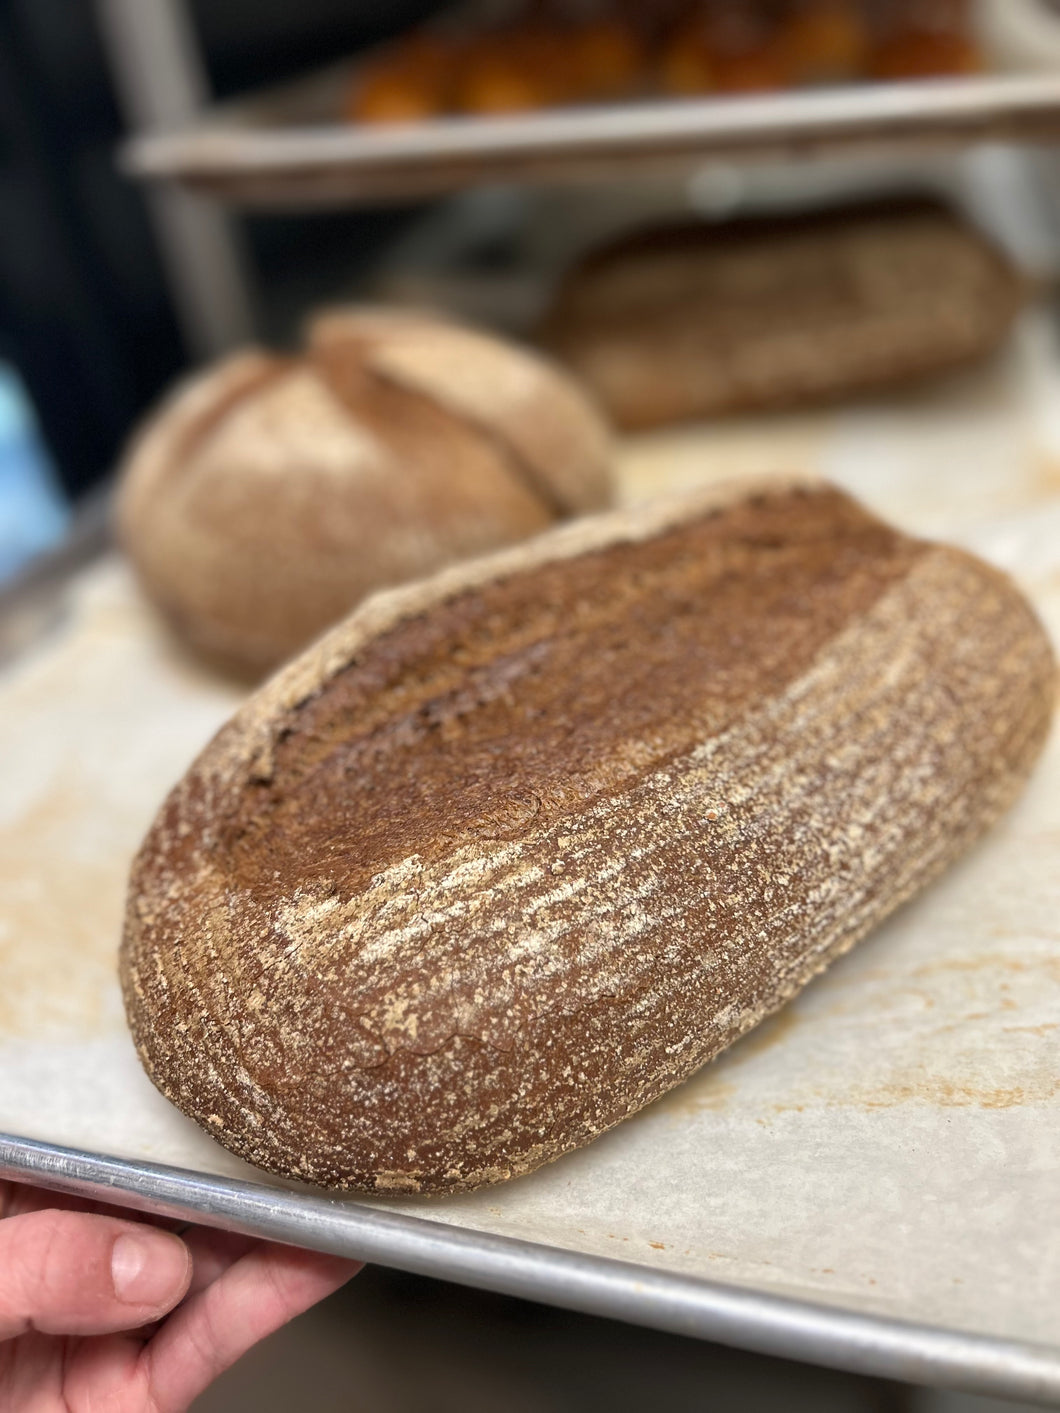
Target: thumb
<point>80,1274</point>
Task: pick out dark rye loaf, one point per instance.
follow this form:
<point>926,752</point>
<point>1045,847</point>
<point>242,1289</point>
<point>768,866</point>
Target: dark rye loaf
<point>512,851</point>
<point>700,320</point>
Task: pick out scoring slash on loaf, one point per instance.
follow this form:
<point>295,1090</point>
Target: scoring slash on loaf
<point>512,851</point>
<point>270,495</point>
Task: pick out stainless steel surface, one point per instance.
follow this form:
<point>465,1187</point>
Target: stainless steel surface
<point>284,148</point>
<point>768,1324</point>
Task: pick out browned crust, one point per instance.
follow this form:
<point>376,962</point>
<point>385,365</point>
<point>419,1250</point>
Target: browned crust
<point>268,496</point>
<point>528,406</point>
<point>538,983</point>
<point>697,320</point>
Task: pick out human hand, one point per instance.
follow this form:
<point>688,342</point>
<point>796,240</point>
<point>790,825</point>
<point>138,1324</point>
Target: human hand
<point>83,1285</point>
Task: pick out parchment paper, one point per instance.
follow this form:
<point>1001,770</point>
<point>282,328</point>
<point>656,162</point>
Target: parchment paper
<point>890,1142</point>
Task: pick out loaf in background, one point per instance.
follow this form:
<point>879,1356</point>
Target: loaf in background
<point>699,320</point>
<point>269,495</point>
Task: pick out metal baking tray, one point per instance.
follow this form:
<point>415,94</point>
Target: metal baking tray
<point>793,1329</point>
<point>283,147</point>
<point>867,1181</point>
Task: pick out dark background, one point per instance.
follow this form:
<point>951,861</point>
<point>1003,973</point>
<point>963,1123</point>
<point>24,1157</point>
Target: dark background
<point>84,311</point>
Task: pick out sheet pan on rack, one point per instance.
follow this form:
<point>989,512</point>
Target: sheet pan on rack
<point>284,148</point>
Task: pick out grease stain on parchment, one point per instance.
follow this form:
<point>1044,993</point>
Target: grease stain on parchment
<point>960,1014</point>
<point>955,1094</point>
<point>60,921</point>
<point>1046,474</point>
<point>936,1091</point>
<point>987,1043</point>
<point>712,1087</point>
<point>993,962</point>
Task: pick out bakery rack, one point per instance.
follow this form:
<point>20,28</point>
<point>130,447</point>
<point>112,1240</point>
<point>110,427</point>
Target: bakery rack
<point>274,150</point>
<point>282,148</point>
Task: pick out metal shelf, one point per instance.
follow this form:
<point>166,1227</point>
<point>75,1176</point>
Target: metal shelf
<point>275,149</point>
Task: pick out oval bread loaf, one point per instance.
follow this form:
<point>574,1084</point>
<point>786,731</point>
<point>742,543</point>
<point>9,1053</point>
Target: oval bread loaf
<point>511,852</point>
<point>701,320</point>
<point>271,494</point>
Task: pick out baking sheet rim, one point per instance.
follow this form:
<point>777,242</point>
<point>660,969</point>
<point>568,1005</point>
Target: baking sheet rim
<point>767,1323</point>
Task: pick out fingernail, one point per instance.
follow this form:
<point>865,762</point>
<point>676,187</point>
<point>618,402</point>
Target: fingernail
<point>148,1268</point>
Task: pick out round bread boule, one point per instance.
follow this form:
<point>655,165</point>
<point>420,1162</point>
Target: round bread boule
<point>270,494</point>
